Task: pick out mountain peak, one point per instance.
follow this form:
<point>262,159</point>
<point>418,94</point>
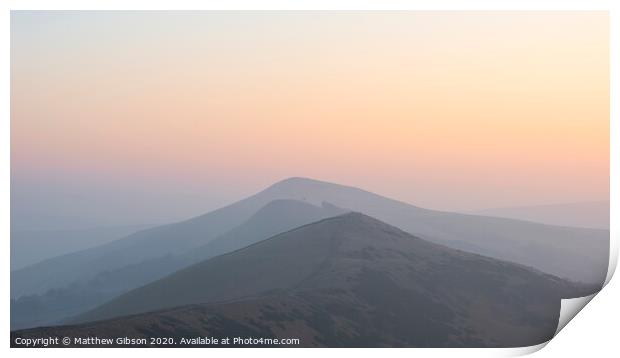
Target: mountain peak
<point>306,189</point>
<point>298,181</point>
<point>356,222</point>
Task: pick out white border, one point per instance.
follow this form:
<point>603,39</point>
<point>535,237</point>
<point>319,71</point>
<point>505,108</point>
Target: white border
<point>598,324</point>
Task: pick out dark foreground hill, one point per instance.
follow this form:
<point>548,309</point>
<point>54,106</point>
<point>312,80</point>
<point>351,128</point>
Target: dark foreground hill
<point>344,281</point>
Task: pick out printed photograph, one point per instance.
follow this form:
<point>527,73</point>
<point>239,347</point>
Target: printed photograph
<point>305,178</point>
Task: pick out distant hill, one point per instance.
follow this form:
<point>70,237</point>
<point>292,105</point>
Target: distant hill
<point>29,247</point>
<point>590,214</point>
<point>349,280</point>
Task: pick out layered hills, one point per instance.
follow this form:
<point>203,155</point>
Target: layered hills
<point>349,280</point>
<point>53,290</point>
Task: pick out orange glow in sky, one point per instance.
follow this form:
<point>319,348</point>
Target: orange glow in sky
<point>444,110</point>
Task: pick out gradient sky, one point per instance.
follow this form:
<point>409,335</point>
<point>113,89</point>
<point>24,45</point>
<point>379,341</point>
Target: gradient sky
<point>141,117</point>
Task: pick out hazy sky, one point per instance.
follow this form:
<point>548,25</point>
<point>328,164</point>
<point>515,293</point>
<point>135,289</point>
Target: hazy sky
<point>147,117</point>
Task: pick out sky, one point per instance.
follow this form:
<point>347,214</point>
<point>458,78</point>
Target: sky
<point>147,117</point>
